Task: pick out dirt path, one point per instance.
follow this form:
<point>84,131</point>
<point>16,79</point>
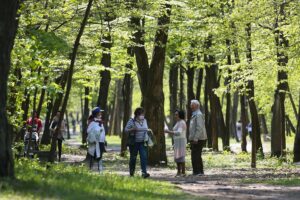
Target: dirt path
<point>218,184</point>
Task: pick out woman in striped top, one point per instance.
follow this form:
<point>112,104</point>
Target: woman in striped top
<point>137,127</point>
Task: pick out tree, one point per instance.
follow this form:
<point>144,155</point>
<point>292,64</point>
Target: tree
<point>69,80</point>
<point>8,29</point>
<point>151,79</point>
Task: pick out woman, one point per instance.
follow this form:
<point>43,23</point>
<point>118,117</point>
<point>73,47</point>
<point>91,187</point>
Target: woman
<point>60,134</point>
<point>138,127</point>
<point>179,137</point>
<point>96,138</point>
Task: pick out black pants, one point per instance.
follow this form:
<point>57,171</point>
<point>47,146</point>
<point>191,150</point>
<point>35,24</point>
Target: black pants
<point>196,154</point>
<point>59,145</point>
<point>102,150</point>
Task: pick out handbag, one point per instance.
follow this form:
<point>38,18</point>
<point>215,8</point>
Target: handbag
<point>149,138</point>
<point>131,137</point>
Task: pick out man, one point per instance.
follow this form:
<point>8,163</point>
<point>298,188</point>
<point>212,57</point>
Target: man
<point>37,123</point>
<point>197,137</point>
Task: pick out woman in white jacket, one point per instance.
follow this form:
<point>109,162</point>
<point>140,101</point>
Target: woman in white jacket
<point>96,138</point>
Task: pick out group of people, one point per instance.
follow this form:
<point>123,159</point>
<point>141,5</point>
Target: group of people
<point>137,131</point>
<point>35,126</point>
<point>197,137</point>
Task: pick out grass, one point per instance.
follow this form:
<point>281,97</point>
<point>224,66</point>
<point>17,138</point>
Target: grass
<point>60,181</point>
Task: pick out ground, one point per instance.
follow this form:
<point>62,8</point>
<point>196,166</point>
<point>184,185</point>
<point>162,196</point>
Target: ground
<point>273,179</point>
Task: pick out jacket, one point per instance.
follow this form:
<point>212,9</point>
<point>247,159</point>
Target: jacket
<point>197,127</point>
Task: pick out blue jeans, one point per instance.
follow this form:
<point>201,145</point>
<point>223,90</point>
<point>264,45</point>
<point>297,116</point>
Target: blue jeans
<point>138,147</point>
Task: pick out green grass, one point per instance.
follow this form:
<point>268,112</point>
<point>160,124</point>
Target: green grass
<point>61,181</point>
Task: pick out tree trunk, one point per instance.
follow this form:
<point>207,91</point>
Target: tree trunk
<point>8,28</point>
<point>151,82</point>
<point>207,114</point>
<point>278,143</point>
<point>297,139</point>
<point>228,99</point>
<point>85,115</point>
<point>46,138</point>
<point>216,115</point>
<point>244,122</point>
<point>256,140</point>
<point>181,89</point>
<point>190,72</point>
<point>67,125</point>
<point>69,82</point>
<point>173,87</point>
<point>199,84</point>
<point>127,89</point>
<point>234,113</point>
<point>117,114</point>
<point>42,97</point>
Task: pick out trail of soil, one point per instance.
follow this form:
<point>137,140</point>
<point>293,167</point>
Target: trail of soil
<point>218,184</point>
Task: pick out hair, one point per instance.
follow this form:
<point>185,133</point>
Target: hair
<point>181,114</point>
<point>195,101</point>
<point>138,111</point>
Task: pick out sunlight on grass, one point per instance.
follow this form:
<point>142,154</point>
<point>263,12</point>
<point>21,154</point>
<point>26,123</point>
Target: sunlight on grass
<point>61,181</point>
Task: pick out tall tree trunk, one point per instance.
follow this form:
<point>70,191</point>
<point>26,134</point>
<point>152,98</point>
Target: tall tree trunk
<point>244,122</point>
<point>8,28</point>
<point>46,138</point>
<point>234,113</point>
<point>106,44</point>
<point>62,80</point>
<point>127,89</point>
<point>85,115</point>
<point>278,143</point>
<point>181,89</point>
<point>190,72</point>
<point>228,98</point>
<point>67,125</point>
<point>117,114</point>
<point>256,140</point>
<point>25,108</point>
<point>69,82</point>
<point>173,87</point>
<point>297,138</point>
<point>217,119</point>
<point>151,81</point>
<point>199,84</point>
<point>207,114</point>
<point>42,97</point>
<point>52,108</point>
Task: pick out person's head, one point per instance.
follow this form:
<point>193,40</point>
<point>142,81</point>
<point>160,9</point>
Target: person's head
<point>195,105</point>
<point>35,114</point>
<point>96,112</point>
<point>139,113</point>
<point>179,114</point>
<point>58,113</point>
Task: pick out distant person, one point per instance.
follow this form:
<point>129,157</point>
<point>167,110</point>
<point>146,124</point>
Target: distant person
<point>74,125</point>
<point>61,132</point>
<point>37,123</point>
<point>96,138</point>
<point>249,129</point>
<point>197,137</point>
<point>239,130</point>
<point>179,137</point>
<point>137,128</point>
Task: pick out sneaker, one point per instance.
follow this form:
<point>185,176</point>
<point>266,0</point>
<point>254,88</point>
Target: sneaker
<point>177,175</point>
<point>145,175</point>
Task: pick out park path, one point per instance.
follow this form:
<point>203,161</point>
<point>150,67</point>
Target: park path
<point>216,184</point>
